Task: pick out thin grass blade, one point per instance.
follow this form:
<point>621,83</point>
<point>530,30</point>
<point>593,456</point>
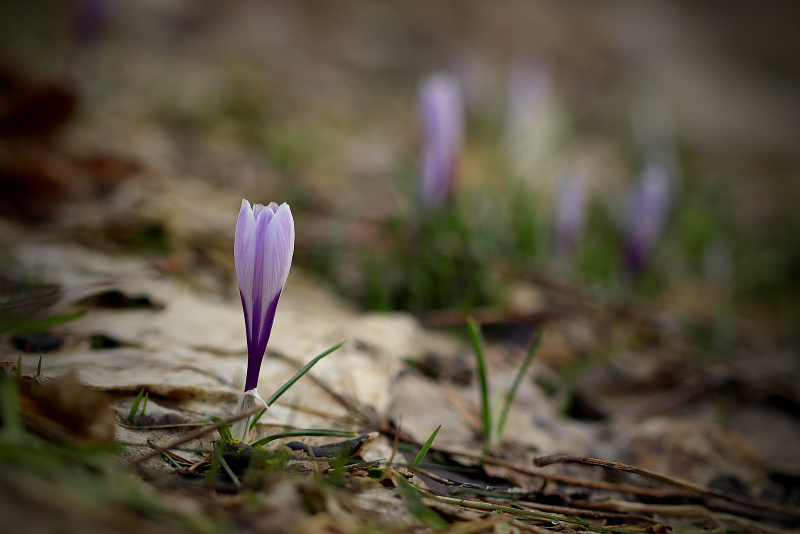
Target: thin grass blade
<point>224,431</point>
<point>221,459</point>
<point>12,429</point>
<point>305,432</point>
<point>289,383</point>
<point>501,422</point>
<point>483,382</point>
<point>411,497</point>
<point>425,448</point>
<point>135,406</point>
<point>25,325</point>
<point>167,456</point>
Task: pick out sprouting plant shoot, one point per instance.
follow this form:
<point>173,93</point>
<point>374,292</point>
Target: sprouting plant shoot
<point>486,416</point>
<point>39,366</point>
<point>501,422</point>
<point>219,461</point>
<point>493,431</point>
<point>135,406</point>
<point>426,447</point>
<point>224,431</point>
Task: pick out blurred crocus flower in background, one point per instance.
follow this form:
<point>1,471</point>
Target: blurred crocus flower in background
<point>570,216</point>
<point>262,250</point>
<point>442,118</point>
<point>91,17</point>
<point>648,208</point>
<point>535,121</point>
<point>90,23</point>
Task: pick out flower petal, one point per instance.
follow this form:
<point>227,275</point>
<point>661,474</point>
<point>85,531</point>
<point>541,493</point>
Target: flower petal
<point>244,258</point>
<point>279,237</point>
<point>263,249</point>
<point>441,116</point>
<point>648,209</point>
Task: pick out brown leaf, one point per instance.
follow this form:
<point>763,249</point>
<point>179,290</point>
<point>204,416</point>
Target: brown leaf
<point>65,406</point>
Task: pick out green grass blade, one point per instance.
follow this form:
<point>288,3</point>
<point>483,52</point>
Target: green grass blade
<point>167,457</point>
<point>418,509</point>
<point>221,459</point>
<point>12,428</point>
<point>483,382</point>
<point>144,405</point>
<point>213,471</point>
<point>224,431</point>
<point>304,432</point>
<point>501,422</point>
<point>171,460</point>
<point>24,325</point>
<point>424,450</point>
<point>39,367</point>
<point>135,406</point>
<point>281,390</point>
<point>289,383</point>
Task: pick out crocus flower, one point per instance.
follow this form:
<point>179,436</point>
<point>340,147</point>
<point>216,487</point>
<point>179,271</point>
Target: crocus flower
<point>262,251</point>
<point>648,208</point>
<point>441,115</point>
<point>90,23</point>
<point>91,18</point>
<point>570,216</point>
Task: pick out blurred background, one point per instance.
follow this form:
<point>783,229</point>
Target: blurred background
<point>638,158</point>
<point>113,113</point>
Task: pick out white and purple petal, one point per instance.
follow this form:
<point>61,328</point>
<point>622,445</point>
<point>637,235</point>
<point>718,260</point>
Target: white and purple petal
<point>570,216</point>
<point>244,259</point>
<point>441,117</point>
<point>263,248</point>
<point>648,210</point>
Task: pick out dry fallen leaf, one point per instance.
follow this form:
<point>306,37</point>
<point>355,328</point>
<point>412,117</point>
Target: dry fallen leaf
<point>63,406</point>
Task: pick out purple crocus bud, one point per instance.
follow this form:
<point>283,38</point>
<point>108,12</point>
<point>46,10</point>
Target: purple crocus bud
<point>441,115</point>
<point>570,216</point>
<point>90,22</point>
<point>91,17</point>
<point>262,251</point>
<point>648,208</point>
